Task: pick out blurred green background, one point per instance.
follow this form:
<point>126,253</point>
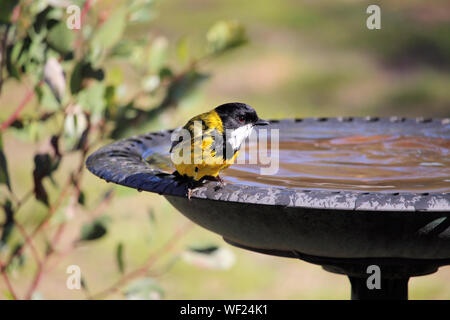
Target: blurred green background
<point>303,59</point>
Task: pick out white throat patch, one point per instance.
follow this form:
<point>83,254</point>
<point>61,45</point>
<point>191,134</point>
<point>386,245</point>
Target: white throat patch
<point>237,136</point>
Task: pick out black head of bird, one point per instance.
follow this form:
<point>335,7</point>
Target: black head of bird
<point>238,120</point>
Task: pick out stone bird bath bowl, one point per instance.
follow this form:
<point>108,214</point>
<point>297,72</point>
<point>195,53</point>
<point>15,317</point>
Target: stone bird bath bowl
<point>404,231</point>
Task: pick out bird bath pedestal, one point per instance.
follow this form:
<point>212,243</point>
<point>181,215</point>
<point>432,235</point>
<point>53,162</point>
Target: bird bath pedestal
<point>350,232</point>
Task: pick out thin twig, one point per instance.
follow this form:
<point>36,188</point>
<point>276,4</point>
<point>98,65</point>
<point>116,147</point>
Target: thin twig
<point>28,241</point>
<point>20,107</point>
<point>36,280</point>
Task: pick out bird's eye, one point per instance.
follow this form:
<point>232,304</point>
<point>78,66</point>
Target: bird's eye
<point>241,118</point>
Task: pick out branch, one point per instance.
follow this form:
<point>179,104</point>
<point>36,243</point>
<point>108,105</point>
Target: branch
<point>28,241</point>
<point>20,107</point>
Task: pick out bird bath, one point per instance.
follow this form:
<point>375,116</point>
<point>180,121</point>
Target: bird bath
<point>385,203</point>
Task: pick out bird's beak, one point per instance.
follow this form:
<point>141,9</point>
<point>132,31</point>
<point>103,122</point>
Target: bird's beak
<point>261,122</point>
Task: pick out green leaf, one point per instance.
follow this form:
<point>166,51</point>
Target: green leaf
<point>114,76</point>
<point>4,176</point>
<point>119,258</point>
<point>158,54</point>
<point>225,35</point>
<point>165,73</point>
<point>92,99</point>
<point>61,38</point>
<point>94,230</point>
<point>76,78</point>
<point>81,198</point>
<point>83,70</point>
<point>44,165</point>
<point>6,9</point>
<point>8,295</point>
<point>141,11</point>
<point>210,257</point>
<point>47,98</point>
<point>182,50</point>
<point>144,289</point>
<point>111,31</point>
<point>18,260</point>
<point>8,224</point>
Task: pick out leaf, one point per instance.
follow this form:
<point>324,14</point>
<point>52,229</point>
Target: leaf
<point>61,38</point>
<point>81,198</point>
<point>111,31</point>
<point>182,50</point>
<point>18,260</point>
<point>8,295</point>
<point>76,78</point>
<point>84,70</point>
<point>158,54</point>
<point>144,289</point>
<point>94,230</point>
<point>210,257</point>
<point>141,11</point>
<point>4,176</point>
<point>47,98</point>
<point>225,35</point>
<point>150,83</point>
<point>8,224</point>
<point>6,9</point>
<point>119,258</point>
<point>54,76</point>
<point>114,76</point>
<point>84,284</point>
<point>92,99</point>
<point>44,165</point>
<point>165,73</point>
<point>75,124</point>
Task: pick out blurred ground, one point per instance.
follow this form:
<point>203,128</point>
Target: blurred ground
<point>304,58</point>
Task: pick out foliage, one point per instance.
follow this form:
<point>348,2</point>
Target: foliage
<point>78,106</point>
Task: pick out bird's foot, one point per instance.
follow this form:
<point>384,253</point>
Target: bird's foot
<point>221,183</point>
<point>220,180</point>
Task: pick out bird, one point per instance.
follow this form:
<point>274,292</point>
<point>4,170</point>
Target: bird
<point>223,130</point>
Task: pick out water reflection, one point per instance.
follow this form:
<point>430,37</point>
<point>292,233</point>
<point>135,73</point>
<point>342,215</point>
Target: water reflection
<point>390,163</point>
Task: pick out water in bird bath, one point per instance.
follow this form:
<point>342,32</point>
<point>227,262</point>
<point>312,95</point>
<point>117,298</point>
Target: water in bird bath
<point>386,163</point>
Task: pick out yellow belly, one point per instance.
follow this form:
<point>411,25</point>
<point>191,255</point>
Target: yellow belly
<point>198,171</point>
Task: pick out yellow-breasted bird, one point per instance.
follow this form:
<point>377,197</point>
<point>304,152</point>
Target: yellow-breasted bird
<point>223,130</point>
